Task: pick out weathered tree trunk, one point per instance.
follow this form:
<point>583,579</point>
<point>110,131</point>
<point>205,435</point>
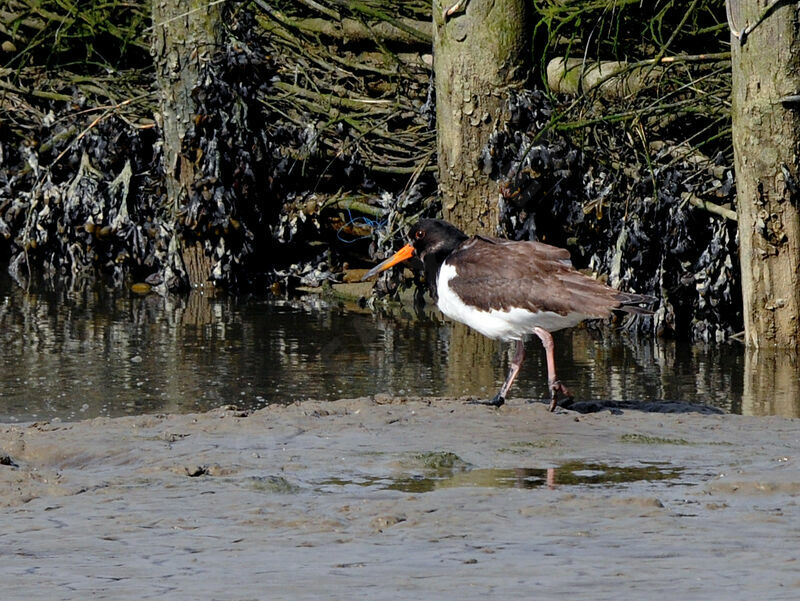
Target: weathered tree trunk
<point>766,143</point>
<point>478,53</point>
<point>185,34</point>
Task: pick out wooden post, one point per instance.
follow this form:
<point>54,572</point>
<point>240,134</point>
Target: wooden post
<point>185,35</point>
<point>766,142</point>
<point>480,49</point>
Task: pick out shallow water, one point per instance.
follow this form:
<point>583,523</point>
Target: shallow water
<point>574,473</point>
<point>100,352</point>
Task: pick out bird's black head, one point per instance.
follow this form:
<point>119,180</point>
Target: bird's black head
<point>435,239</point>
<point>431,241</point>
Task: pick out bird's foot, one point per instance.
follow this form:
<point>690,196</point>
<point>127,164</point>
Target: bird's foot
<point>556,389</point>
<point>497,401</point>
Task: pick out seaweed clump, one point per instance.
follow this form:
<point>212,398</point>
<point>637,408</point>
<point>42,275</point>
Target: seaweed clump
<point>79,152</point>
<point>65,205</point>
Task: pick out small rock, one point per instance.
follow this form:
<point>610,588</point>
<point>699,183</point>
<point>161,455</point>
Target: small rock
<point>6,460</point>
<point>382,522</point>
<point>171,436</point>
<point>193,471</point>
<point>215,469</point>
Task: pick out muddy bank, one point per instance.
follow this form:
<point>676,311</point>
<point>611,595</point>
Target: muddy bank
<point>397,498</point>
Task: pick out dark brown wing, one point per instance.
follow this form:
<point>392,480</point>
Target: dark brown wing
<point>500,274</point>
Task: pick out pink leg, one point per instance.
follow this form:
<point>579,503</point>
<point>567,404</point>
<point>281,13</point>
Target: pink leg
<point>516,363</point>
<point>556,386</point>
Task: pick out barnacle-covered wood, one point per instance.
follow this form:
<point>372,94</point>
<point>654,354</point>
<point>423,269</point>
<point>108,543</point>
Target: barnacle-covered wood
<point>185,36</point>
<point>766,139</point>
<point>479,55</point>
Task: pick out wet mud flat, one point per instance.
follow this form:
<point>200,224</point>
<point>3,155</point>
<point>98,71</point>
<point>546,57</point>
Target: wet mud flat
<point>391,498</point>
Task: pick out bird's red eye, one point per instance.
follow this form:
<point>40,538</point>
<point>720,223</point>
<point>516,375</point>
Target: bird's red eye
<point>419,234</point>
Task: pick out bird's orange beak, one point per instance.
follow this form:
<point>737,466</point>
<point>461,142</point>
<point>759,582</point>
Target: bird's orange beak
<point>401,255</point>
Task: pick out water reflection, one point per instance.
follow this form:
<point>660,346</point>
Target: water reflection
<point>100,352</point>
<point>771,386</point>
<point>569,474</point>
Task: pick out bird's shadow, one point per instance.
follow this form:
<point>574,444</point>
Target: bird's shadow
<point>653,406</point>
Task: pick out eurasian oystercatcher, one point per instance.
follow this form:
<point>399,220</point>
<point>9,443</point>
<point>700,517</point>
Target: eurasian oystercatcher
<point>506,289</point>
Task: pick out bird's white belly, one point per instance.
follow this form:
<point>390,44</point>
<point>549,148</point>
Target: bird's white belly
<point>512,324</point>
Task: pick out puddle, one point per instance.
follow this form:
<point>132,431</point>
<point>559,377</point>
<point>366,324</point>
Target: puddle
<point>569,474</point>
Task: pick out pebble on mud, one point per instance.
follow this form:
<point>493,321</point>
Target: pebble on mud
<point>382,522</point>
<point>193,471</point>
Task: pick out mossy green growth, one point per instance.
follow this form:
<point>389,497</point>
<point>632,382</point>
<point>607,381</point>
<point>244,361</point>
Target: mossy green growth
<point>274,484</point>
<point>647,439</point>
<point>542,443</point>
<point>441,460</point>
<point>523,446</point>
